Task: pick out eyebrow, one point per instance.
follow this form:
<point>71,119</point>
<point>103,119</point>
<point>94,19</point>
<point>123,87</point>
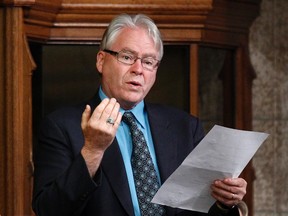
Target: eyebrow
<point>136,53</point>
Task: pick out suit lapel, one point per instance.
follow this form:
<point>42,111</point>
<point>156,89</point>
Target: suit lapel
<point>165,149</point>
<point>163,137</point>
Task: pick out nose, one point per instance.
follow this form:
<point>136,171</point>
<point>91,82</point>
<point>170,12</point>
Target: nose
<point>137,66</point>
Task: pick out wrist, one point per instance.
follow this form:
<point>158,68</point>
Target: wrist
<point>92,159</point>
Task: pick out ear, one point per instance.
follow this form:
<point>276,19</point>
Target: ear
<point>99,61</point>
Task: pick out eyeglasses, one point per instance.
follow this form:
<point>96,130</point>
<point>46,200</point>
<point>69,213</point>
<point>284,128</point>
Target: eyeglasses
<point>128,58</point>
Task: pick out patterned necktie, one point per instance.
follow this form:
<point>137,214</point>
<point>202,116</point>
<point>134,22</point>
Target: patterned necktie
<point>144,173</point>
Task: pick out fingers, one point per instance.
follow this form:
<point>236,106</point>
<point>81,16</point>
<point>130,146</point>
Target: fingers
<point>229,191</point>
<point>238,182</point>
<point>107,112</point>
<point>111,114</point>
<point>107,109</point>
<point>96,115</point>
<point>100,126</point>
<point>85,116</point>
<point>232,185</point>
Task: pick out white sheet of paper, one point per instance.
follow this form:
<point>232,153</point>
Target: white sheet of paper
<point>223,152</point>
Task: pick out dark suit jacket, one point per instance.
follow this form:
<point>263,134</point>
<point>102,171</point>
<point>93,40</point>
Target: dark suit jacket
<point>62,185</point>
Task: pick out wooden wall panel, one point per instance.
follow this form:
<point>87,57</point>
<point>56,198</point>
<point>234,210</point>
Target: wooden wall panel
<point>16,111</point>
<point>2,114</point>
<point>222,23</point>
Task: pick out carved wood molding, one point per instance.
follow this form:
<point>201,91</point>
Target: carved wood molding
<point>17,3</point>
<point>84,21</point>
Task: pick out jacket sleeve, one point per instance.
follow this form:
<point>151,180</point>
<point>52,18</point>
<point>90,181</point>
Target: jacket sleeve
<point>216,211</point>
<point>213,211</point>
<point>62,184</point>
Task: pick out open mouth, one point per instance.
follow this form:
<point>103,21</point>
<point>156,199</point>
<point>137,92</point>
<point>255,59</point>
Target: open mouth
<point>134,83</point>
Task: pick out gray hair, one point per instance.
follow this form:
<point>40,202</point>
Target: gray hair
<point>126,21</point>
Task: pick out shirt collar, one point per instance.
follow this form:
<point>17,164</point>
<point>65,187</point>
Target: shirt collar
<point>138,110</point>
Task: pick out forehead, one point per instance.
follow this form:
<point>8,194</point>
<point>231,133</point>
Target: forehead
<point>136,40</point>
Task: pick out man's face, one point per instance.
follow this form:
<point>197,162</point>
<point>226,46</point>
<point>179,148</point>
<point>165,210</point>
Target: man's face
<point>129,84</point>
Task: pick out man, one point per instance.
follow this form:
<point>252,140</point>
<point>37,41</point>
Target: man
<point>83,157</point>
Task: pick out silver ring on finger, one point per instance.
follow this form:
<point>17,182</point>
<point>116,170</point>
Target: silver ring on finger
<point>233,196</point>
<point>110,121</point>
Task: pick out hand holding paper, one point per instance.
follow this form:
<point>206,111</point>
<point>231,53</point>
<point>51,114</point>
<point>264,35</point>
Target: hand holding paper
<point>224,152</point>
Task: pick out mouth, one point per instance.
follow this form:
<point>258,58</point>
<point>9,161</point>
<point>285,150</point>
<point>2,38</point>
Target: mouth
<point>134,83</point>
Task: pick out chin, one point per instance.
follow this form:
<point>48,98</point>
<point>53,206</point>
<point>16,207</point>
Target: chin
<point>129,104</point>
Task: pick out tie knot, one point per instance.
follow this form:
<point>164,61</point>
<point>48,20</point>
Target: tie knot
<point>129,118</point>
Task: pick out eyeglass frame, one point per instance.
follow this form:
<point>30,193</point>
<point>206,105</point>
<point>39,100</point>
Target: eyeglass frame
<point>115,54</point>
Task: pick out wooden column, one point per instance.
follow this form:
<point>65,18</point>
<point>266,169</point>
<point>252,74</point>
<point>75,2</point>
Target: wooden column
<point>194,82</point>
<point>16,114</point>
<point>245,75</point>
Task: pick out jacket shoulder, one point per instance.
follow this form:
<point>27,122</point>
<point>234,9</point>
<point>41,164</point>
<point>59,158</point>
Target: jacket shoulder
<point>169,112</point>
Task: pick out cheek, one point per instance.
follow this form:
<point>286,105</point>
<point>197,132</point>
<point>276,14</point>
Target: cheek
<point>111,72</point>
<point>113,79</point>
